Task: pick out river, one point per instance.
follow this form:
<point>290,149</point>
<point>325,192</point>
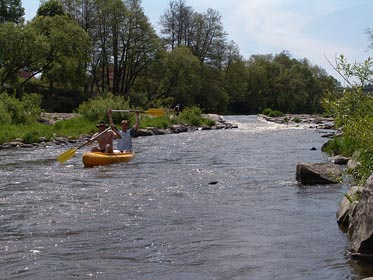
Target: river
<point>219,204</point>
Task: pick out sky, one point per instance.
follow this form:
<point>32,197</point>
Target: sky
<point>309,29</point>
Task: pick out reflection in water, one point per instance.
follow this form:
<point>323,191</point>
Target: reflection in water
<point>161,217</point>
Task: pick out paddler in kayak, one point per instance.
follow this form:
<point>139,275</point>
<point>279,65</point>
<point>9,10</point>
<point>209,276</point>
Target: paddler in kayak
<point>105,141</point>
<point>125,141</point>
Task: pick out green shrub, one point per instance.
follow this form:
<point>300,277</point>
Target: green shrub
<point>191,116</point>
<point>272,113</point>
<point>365,168</point>
<point>13,110</point>
<point>267,111</point>
<point>341,145</point>
<point>96,109</point>
<point>275,113</point>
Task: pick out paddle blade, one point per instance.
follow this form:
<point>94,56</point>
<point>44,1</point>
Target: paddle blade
<point>155,112</point>
<point>65,156</point>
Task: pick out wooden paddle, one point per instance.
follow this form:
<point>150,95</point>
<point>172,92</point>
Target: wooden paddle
<point>152,111</point>
<point>65,156</point>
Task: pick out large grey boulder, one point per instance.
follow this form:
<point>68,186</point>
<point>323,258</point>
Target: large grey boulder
<point>351,197</point>
<point>360,230</point>
<point>318,173</point>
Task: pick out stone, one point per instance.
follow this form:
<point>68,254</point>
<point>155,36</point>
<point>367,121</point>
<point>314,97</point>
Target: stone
<point>354,193</point>
<point>340,160</point>
<point>360,230</point>
<point>317,173</point>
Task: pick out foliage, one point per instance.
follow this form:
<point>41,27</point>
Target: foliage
<point>159,122</point>
<point>15,111</point>
<point>193,116</point>
<point>63,53</point>
<point>30,133</point>
<point>362,72</point>
<point>181,80</point>
<point>284,83</point>
<point>365,167</point>
<point>341,145</point>
<point>91,47</point>
<point>19,49</point>
<point>74,127</point>
<point>51,8</point>
<point>11,11</point>
<point>272,113</point>
<point>353,114</point>
<point>96,109</point>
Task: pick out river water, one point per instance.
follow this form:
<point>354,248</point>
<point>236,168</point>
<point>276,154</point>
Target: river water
<point>220,204</point>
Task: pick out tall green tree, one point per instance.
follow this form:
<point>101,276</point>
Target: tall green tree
<point>123,41</point>
<point>182,79</point>
<point>51,8</point>
<point>11,11</point>
<point>64,51</point>
<point>19,50</point>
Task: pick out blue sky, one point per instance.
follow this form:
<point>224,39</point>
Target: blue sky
<point>305,28</point>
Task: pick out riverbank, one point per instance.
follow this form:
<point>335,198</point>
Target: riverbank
<point>52,118</point>
<point>355,210</point>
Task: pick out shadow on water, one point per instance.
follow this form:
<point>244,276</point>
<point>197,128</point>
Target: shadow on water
<point>203,205</point>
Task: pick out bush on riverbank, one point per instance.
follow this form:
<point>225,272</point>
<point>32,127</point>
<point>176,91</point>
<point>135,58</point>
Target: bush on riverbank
<point>272,113</point>
<point>19,119</point>
<point>353,115</point>
<point>15,111</point>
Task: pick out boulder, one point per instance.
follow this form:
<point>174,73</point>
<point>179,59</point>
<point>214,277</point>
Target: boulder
<point>352,196</point>
<point>144,132</point>
<point>177,128</point>
<point>360,230</point>
<point>318,173</point>
<point>213,117</point>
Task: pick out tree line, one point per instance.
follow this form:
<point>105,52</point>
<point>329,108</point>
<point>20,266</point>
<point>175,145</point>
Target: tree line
<point>73,50</point>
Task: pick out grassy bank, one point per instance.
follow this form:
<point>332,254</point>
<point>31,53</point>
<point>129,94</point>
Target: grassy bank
<point>73,128</point>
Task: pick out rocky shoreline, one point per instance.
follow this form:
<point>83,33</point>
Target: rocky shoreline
<point>355,210</point>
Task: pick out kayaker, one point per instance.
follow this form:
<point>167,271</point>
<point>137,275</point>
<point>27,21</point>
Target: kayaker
<point>125,141</point>
<point>105,141</point>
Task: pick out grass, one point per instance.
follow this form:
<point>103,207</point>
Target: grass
<point>75,127</point>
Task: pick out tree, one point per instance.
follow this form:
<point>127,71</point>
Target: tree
<point>51,8</point>
<point>64,51</point>
<point>11,11</point>
<point>182,80</point>
<point>19,50</point>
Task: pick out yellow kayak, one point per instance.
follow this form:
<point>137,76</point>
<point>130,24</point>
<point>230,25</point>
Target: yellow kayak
<point>97,158</point>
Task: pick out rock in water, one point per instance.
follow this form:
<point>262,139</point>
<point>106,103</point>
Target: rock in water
<point>318,173</point>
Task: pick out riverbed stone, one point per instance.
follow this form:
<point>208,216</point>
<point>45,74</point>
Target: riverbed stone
<point>14,144</point>
<point>177,128</point>
<point>360,230</point>
<point>318,173</point>
<point>27,146</point>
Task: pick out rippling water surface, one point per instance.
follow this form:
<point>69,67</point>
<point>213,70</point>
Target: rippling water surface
<point>204,205</point>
